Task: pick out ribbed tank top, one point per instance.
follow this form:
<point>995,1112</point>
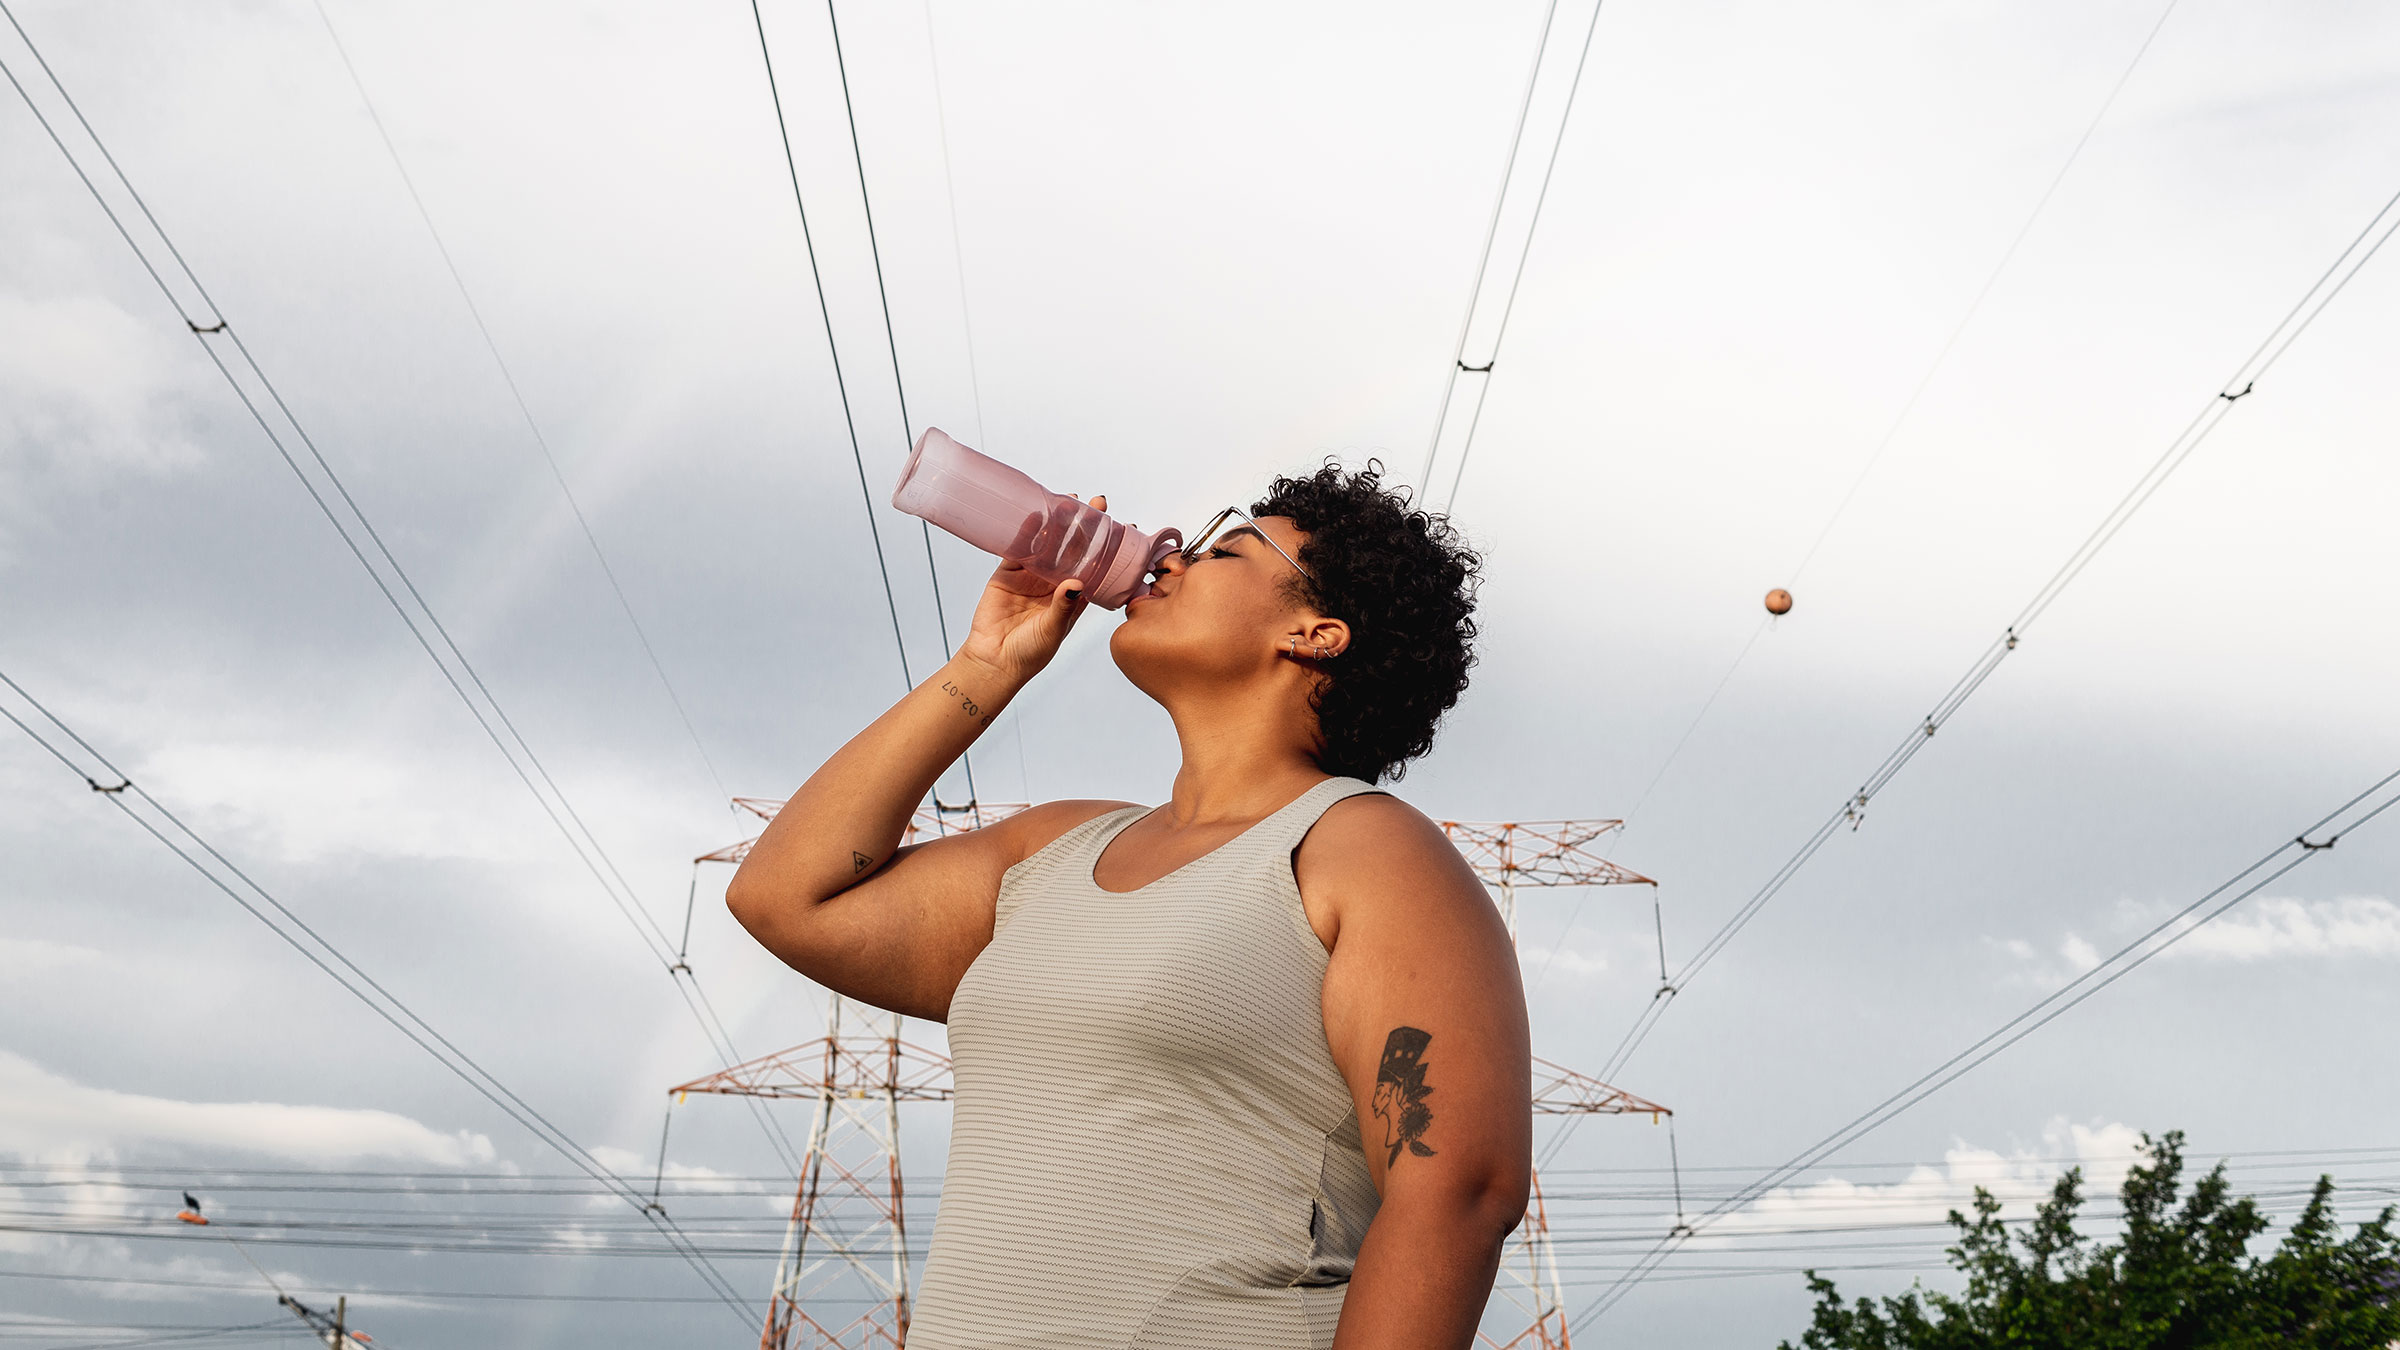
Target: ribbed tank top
<point>1151,1145</point>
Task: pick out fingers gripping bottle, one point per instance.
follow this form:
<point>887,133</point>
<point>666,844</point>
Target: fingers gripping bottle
<point>1007,514</point>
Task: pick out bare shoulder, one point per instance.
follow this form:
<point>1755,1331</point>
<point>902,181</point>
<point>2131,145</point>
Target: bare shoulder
<point>1377,830</point>
<point>1037,827</point>
<point>1375,853</point>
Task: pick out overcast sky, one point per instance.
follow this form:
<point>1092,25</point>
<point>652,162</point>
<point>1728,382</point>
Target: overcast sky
<point>1199,246</point>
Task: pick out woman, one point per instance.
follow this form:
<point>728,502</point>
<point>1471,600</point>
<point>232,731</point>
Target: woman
<point>1249,1069</point>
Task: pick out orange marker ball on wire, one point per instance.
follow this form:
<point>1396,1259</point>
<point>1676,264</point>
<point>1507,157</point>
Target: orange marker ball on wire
<point>1779,601</point>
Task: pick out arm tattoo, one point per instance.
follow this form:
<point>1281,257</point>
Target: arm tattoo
<point>1400,1093</point>
<point>859,862</point>
<point>973,709</point>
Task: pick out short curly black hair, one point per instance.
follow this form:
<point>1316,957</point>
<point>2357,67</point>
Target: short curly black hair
<point>1405,582</point>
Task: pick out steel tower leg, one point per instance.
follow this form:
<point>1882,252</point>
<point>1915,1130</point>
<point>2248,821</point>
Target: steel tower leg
<point>846,1246</point>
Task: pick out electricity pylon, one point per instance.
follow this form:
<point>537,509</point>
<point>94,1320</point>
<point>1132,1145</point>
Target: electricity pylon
<point>848,1225</point>
<point>1506,855</point>
<point>849,1229</point>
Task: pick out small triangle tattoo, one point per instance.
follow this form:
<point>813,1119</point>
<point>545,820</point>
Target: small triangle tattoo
<point>860,862</point>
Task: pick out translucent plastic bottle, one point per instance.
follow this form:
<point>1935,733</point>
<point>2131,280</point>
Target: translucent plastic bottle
<point>1008,515</point>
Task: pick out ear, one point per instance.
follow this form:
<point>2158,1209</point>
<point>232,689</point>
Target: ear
<point>1314,634</point>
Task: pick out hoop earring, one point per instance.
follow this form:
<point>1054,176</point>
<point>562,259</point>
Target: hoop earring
<point>1320,649</point>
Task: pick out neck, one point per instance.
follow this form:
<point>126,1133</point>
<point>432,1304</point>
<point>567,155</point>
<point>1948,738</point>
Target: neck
<point>1245,754</point>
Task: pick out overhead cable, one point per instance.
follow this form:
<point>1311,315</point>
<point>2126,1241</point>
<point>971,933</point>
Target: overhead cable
<point>221,340</point>
<point>427,1295</point>
<point>891,339</point>
<point>958,254</point>
<point>1483,260</point>
<point>1891,432</point>
<point>833,347</point>
<point>517,395</point>
<point>2218,406</point>
<point>276,1326</point>
<point>325,488</point>
<point>2314,839</point>
<point>104,778</point>
<point>1508,300</point>
<point>168,1178</point>
<point>1983,292</point>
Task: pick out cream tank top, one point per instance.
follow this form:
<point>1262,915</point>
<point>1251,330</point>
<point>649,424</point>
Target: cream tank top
<point>1151,1146</point>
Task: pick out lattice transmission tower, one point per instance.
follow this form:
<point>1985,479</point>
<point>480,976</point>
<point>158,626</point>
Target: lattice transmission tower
<point>1506,855</point>
<point>848,1230</point>
<point>846,1244</point>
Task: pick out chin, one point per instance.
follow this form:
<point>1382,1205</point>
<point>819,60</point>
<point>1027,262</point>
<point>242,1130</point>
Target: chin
<point>1134,656</point>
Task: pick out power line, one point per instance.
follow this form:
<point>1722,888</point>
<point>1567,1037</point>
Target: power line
<point>1586,1218</point>
<point>2219,405</point>
<point>2318,837</point>
<point>1892,431</point>
<point>1975,305</point>
<point>517,395</point>
<point>277,1325</point>
<point>1491,237</point>
<point>966,315</point>
<point>958,256</point>
<point>833,348</point>
<point>137,805</point>
<point>891,339</point>
<point>266,406</point>
<point>427,1295</point>
<point>423,625</point>
<point>465,1244</point>
<point>173,1177</point>
<point>1508,305</point>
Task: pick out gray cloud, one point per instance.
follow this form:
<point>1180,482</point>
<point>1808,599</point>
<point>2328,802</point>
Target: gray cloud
<point>1201,248</point>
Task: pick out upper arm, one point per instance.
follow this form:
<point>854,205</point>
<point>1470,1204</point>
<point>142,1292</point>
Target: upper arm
<point>903,934</point>
<point>1424,1009</point>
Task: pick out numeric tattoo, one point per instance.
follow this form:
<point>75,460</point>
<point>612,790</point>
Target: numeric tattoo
<point>973,709</point>
<point>1400,1093</point>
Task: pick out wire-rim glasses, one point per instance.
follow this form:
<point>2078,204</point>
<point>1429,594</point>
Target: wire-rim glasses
<point>1209,533</point>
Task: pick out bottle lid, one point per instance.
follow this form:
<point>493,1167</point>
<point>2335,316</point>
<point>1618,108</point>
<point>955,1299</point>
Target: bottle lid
<point>1136,556</point>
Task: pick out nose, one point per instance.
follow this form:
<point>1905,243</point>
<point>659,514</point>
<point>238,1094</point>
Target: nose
<point>1172,565</point>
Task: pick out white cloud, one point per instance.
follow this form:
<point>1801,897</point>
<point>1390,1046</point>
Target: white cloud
<point>343,797</point>
<point>2020,1178</point>
<point>2074,956</point>
<point>1566,961</point>
<point>28,958</point>
<point>311,801</point>
<point>627,1163</point>
<point>80,385</point>
<point>48,1116</point>
<point>635,1167</point>
<point>2265,929</point>
<point>2284,927</point>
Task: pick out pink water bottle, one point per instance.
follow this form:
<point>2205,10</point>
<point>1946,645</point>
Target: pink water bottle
<point>1007,514</point>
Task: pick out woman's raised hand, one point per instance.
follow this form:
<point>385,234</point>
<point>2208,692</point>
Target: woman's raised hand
<point>1020,622</point>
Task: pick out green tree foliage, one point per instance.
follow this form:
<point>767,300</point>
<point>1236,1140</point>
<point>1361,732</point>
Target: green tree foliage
<point>2180,1278</point>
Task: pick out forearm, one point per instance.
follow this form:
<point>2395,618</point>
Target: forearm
<point>850,814</point>
<point>1423,1275</point>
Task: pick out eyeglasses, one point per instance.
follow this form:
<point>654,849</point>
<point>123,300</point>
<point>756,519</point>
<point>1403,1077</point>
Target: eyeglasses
<point>1218,529</point>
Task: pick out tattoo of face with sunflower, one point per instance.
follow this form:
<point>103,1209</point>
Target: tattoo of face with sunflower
<point>1400,1093</point>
